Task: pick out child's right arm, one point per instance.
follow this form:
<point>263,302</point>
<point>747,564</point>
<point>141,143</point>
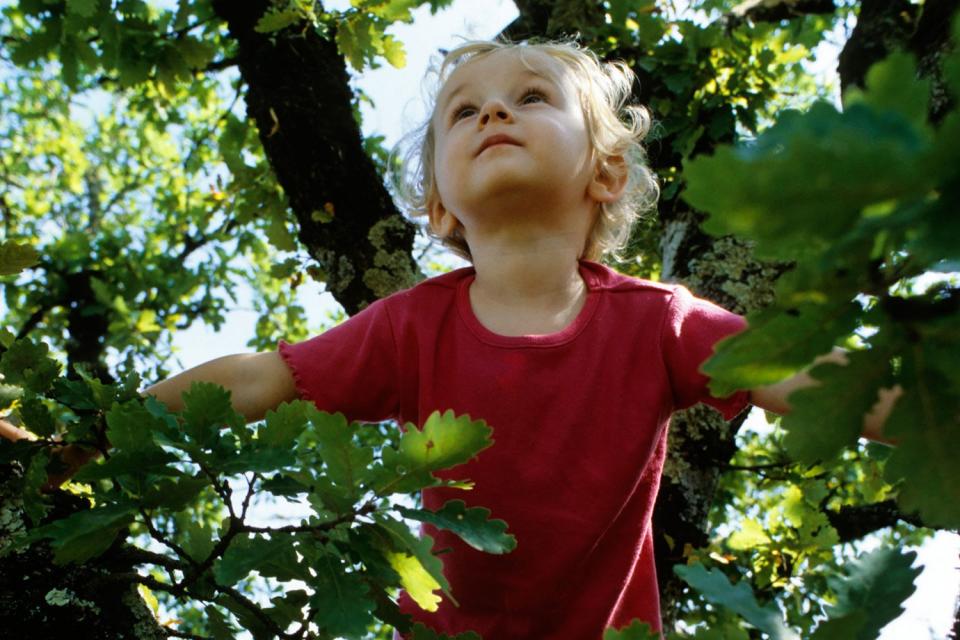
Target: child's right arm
<point>257,382</point>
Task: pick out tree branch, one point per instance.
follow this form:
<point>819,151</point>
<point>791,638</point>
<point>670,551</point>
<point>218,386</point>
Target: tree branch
<point>299,94</point>
<point>766,11</point>
<point>853,522</point>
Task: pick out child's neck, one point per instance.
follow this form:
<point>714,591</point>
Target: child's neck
<point>527,288</point>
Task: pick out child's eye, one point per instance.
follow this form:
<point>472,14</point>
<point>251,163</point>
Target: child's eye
<point>532,96</point>
<point>462,111</point>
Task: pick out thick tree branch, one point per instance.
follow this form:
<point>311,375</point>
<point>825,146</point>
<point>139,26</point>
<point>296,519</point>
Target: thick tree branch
<point>299,95</point>
<point>775,11</point>
<point>853,522</point>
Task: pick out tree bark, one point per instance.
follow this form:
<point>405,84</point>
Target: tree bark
<point>40,599</point>
<point>885,26</point>
<point>299,95</point>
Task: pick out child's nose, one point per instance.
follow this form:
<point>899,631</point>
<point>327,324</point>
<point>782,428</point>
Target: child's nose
<point>496,110</point>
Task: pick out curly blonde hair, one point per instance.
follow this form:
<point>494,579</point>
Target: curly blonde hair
<point>615,127</point>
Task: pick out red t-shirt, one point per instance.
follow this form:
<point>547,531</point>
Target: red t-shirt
<point>579,422</point>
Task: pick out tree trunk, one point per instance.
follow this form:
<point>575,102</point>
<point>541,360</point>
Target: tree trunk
<point>298,93</point>
<point>39,599</point>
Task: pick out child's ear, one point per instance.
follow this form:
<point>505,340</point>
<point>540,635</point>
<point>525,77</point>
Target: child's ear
<point>442,222</point>
<point>609,182</point>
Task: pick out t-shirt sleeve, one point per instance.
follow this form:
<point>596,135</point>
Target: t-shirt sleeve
<point>351,368</point>
<point>691,329</point>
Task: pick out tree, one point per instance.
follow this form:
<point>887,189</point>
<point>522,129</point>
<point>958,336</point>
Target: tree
<point>294,187</point>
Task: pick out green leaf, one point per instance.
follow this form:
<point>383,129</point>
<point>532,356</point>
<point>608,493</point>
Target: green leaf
<point>37,417</point>
<point>196,53</point>
<point>278,233</point>
<point>245,554</point>
<point>341,600</point>
<point>394,52</point>
<point>778,344</point>
<point>131,427</point>
<point>217,624</point>
<point>196,538</point>
<point>871,593</point>
<point>73,393</point>
<point>85,534</point>
<point>749,535</point>
<point>346,461</point>
<point>15,257</point>
<point>924,423</point>
<point>284,424</point>
<point>83,8</point>
<point>845,628</point>
<point>444,442</point>
<point>739,598</point>
<point>258,460</point>
<point>395,10</point>
<point>174,493</point>
<point>636,630</point>
<point>411,557</point>
<point>8,395</point>
<point>35,477</point>
<point>893,84</point>
<point>806,180</point>
<point>207,408</point>
<point>288,608</point>
<point>133,463</point>
<point>825,418</point>
<point>470,524</point>
<point>355,39</point>
<point>276,18</point>
<point>26,364</point>
<point>250,622</point>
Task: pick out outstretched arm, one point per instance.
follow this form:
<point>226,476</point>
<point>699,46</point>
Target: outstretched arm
<point>774,398</point>
<point>257,382</point>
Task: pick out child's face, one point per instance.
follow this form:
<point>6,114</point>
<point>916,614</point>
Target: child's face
<point>509,139</point>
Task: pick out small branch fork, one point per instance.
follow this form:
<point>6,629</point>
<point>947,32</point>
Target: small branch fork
<point>192,570</point>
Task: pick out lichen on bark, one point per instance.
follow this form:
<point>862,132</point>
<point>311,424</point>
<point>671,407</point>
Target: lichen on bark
<point>392,270</point>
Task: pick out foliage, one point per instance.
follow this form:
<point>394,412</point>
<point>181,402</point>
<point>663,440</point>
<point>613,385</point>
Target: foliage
<point>866,598</point>
<point>859,201</point>
<point>704,82</point>
<point>862,202</point>
<point>334,571</point>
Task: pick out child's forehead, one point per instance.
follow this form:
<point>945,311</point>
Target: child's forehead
<point>506,64</point>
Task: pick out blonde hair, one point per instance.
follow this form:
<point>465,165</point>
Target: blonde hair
<point>615,128</point>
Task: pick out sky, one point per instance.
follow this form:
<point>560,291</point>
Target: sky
<point>399,97</point>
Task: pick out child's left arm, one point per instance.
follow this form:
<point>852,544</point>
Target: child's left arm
<point>774,398</point>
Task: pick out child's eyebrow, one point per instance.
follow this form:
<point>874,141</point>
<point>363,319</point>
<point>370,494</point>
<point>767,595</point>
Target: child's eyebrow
<point>460,87</point>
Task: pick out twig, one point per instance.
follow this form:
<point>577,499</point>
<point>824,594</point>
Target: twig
<point>159,537</point>
<point>256,611</point>
<point>326,526</point>
<point>136,555</point>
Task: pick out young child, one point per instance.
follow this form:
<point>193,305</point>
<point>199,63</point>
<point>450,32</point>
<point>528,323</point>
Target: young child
<point>531,168</point>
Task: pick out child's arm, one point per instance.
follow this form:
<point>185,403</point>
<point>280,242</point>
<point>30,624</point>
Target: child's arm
<point>774,398</point>
<point>257,382</point>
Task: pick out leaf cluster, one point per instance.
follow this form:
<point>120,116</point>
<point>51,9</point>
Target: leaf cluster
<point>862,201</point>
<point>331,574</point>
<point>867,596</point>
